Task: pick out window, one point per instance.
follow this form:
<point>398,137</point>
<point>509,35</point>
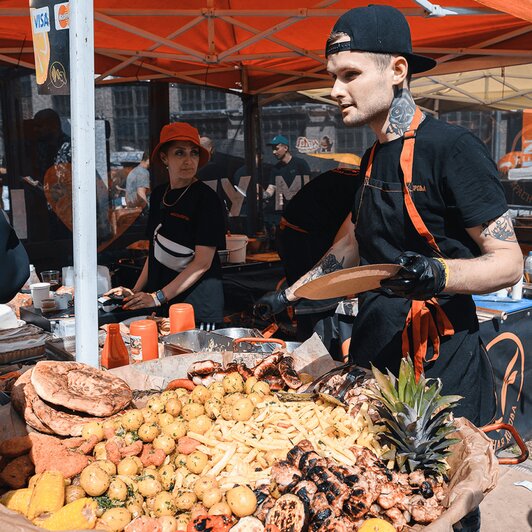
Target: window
<point>130,114</point>
<point>201,99</point>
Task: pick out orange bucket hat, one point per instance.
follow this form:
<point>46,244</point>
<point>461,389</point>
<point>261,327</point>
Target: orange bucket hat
<point>179,131</point>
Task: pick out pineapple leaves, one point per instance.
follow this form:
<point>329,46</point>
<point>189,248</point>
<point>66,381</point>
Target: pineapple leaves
<point>417,418</point>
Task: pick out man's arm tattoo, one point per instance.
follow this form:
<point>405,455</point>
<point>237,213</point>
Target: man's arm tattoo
<point>402,112</point>
<point>327,264</point>
<point>500,228</point>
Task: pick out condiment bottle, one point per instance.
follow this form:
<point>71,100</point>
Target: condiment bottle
<point>114,353</point>
<point>181,317</point>
<point>143,340</point>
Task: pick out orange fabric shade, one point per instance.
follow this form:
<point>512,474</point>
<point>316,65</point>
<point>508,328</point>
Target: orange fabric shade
<point>257,48</point>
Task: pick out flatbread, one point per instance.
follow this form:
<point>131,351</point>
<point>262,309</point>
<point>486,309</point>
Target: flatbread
<point>21,399</point>
<point>61,423</point>
<point>80,387</point>
<point>347,282</point>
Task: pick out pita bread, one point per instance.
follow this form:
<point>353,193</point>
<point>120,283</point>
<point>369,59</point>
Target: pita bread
<point>22,396</point>
<point>61,423</point>
<point>80,387</point>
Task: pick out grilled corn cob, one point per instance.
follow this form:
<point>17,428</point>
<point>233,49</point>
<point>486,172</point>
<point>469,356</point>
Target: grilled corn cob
<point>78,515</point>
<point>33,480</point>
<point>17,500</point>
<point>48,494</point>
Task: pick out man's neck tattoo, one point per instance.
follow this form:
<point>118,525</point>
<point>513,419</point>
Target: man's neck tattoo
<point>401,112</point>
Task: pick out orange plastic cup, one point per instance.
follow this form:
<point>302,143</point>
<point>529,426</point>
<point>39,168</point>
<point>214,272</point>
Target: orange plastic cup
<point>143,340</point>
<point>181,317</point>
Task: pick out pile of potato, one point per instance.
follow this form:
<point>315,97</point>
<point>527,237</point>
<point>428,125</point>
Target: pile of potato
<point>196,452</point>
<point>178,490</point>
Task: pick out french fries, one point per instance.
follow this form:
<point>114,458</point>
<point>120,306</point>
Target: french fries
<point>242,452</point>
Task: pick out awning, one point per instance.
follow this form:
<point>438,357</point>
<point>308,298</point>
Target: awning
<point>252,47</point>
<point>505,88</point>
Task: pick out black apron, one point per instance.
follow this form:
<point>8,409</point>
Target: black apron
<point>440,335</point>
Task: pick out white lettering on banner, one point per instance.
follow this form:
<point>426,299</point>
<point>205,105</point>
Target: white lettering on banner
<point>40,19</point>
<point>284,192</point>
<point>62,12</point>
<point>236,198</point>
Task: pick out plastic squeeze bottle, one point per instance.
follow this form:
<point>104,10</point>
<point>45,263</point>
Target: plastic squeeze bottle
<point>114,353</point>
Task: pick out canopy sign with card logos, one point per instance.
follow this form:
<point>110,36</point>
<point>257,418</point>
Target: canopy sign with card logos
<point>49,27</point>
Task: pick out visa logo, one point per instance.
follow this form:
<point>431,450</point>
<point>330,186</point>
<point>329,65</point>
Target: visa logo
<point>41,20</point>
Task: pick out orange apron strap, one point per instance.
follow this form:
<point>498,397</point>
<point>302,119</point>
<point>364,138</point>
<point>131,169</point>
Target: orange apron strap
<point>420,322</point>
<point>407,163</point>
<point>424,327</point>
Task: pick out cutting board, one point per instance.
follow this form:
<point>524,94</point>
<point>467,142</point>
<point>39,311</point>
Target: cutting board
<point>347,282</point>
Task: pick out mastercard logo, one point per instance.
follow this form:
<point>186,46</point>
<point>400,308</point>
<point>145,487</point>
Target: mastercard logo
<point>62,16</point>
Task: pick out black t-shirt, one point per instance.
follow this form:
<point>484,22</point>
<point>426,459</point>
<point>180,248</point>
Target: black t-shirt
<point>296,169</point>
<point>323,203</point>
<point>196,219</point>
<point>454,186</point>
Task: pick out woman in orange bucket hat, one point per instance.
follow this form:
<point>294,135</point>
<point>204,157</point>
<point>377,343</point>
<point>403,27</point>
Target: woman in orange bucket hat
<point>186,227</point>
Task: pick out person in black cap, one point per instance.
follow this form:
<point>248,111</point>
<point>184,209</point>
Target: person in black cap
<point>287,177</point>
<point>431,202</point>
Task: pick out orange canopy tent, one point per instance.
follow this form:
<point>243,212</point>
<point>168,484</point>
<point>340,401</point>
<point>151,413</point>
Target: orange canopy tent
<point>257,48</point>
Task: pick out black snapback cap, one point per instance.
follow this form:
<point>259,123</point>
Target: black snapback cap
<point>380,29</point>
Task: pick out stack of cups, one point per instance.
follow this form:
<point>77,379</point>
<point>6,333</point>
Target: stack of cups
<point>39,292</point>
<point>181,317</point>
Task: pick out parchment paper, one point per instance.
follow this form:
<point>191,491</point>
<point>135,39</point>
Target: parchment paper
<point>474,468</point>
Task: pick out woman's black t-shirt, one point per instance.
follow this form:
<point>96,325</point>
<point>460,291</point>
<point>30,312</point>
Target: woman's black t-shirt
<point>194,217</point>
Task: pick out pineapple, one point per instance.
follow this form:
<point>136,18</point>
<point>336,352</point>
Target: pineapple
<point>418,419</point>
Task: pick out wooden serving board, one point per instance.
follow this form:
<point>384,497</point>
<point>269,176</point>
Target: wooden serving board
<point>347,282</point>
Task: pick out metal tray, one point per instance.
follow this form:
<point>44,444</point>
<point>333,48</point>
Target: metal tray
<point>194,341</point>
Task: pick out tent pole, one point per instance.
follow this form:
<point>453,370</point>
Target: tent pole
<point>83,179</point>
<point>253,158</point>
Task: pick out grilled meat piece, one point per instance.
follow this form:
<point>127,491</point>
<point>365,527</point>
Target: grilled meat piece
<point>288,374</point>
<point>275,383</point>
<point>202,368</point>
<point>335,491</point>
<point>244,371</point>
<point>360,499</point>
<point>397,518</point>
<point>389,496</point>
<point>306,490</point>
<point>309,460</point>
<point>295,453</point>
<point>348,475</point>
<point>322,512</point>
<point>262,509</point>
<point>267,365</point>
<point>337,524</point>
<point>285,475</point>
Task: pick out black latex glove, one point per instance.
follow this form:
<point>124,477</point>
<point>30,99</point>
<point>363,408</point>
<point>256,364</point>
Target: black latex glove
<point>419,278</point>
<point>270,304</point>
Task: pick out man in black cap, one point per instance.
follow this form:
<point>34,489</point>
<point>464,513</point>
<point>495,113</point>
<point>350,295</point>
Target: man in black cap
<point>431,202</point>
<point>287,177</point>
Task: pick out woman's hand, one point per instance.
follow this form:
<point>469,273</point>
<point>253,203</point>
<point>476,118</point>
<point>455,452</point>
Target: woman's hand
<point>121,291</point>
<point>138,300</point>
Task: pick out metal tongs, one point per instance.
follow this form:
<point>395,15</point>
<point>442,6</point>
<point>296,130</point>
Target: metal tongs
<point>354,374</point>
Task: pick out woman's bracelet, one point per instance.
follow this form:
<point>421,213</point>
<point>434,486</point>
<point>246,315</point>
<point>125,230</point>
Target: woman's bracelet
<point>155,299</point>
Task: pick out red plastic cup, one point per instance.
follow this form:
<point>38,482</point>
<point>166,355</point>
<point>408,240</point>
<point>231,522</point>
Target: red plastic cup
<point>143,340</point>
<point>181,317</point>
